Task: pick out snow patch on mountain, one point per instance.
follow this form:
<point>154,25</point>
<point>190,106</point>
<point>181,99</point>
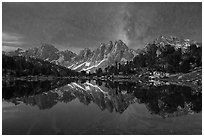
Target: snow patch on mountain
<point>71,66</point>
<point>87,88</point>
<point>94,66</point>
<point>78,66</point>
<point>123,59</point>
<point>87,63</point>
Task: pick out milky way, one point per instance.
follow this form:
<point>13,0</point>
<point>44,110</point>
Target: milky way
<point>75,26</point>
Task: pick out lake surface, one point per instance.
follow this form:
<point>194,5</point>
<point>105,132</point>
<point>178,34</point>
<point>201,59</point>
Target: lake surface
<point>98,107</point>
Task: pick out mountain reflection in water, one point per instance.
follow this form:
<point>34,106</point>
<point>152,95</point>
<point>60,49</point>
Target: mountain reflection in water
<point>163,100</point>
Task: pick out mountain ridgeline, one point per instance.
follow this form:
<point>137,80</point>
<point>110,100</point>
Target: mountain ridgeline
<point>166,54</point>
<point>87,60</point>
<point>21,66</point>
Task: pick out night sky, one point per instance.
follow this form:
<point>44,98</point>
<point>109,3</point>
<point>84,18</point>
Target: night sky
<point>75,26</point>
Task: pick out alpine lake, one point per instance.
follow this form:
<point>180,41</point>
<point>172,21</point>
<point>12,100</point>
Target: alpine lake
<point>83,107</point>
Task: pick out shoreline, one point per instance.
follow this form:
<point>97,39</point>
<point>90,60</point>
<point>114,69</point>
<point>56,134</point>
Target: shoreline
<point>192,79</point>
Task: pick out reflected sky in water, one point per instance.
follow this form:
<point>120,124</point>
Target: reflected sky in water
<point>97,107</point>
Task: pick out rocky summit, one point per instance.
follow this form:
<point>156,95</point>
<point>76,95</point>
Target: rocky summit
<point>106,54</point>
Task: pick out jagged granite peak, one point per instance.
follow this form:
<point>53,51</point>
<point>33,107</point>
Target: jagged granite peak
<point>47,52</point>
<point>110,43</point>
<point>67,51</point>
<point>85,52</point>
<point>120,43</point>
<point>172,40</point>
<point>48,46</point>
<point>163,43</point>
<point>67,55</point>
<point>120,46</point>
<point>105,55</point>
<point>109,47</point>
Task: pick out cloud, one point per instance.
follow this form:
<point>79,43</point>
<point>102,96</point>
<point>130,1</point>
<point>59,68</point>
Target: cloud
<point>8,48</point>
<point>11,39</point>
